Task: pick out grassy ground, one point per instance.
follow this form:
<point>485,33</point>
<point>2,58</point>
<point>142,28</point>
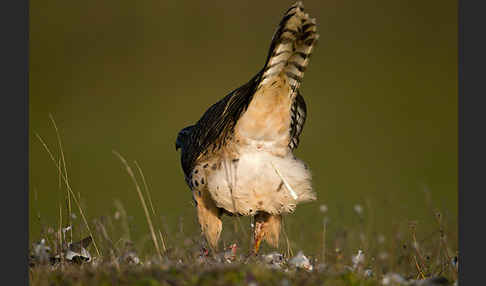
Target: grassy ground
<point>102,251</point>
<point>354,256</point>
<point>186,261</point>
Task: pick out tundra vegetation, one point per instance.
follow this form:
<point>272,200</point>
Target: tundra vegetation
<point>76,250</point>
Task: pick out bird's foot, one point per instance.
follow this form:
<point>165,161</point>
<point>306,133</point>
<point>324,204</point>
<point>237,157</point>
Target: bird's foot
<point>258,236</point>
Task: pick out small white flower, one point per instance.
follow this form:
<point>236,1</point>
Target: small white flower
<point>358,259</point>
<point>358,209</point>
<point>323,208</point>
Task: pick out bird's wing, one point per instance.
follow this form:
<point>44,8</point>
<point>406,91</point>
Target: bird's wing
<point>216,125</point>
<point>298,115</point>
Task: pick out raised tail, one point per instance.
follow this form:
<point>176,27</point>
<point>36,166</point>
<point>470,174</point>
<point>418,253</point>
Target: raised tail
<point>291,47</point>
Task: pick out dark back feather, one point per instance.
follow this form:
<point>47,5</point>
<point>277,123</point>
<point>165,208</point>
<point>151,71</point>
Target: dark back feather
<point>298,114</point>
<point>216,125</point>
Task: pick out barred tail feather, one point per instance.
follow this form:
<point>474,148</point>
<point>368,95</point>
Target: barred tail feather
<point>291,47</point>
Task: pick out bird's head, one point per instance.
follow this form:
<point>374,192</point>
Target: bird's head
<point>183,136</point>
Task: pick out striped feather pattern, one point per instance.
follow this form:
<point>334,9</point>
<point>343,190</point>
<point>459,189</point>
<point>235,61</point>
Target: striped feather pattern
<point>298,114</point>
<point>291,47</point>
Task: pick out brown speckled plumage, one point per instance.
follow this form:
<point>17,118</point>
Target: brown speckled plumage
<point>237,159</point>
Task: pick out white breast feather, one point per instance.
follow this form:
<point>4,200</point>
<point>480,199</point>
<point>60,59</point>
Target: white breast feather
<point>259,187</point>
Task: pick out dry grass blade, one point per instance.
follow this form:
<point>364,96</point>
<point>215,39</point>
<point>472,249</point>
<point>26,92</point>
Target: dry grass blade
<point>145,187</point>
<point>65,172</point>
<point>443,245</point>
<point>144,205</point>
<point>290,252</point>
<point>71,191</point>
<point>147,191</point>
<point>162,240</point>
<point>323,253</point>
<point>419,269</point>
<point>59,233</point>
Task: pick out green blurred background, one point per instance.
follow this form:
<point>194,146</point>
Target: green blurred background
<point>381,91</point>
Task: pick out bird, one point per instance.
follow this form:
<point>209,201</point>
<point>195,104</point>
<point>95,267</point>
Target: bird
<point>238,158</point>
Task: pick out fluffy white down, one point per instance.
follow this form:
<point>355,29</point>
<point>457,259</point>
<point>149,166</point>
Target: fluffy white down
<point>256,185</point>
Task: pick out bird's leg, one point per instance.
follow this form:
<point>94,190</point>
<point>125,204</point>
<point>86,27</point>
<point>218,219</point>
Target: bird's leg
<point>209,216</point>
<point>272,229</point>
<point>258,233</point>
<point>267,227</point>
